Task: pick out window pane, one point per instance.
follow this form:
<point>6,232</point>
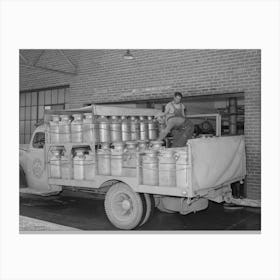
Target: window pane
<point>34,113</point>
<point>27,113</point>
<point>22,99</point>
<point>34,98</point>
<point>41,98</point>
<point>54,96</point>
<point>39,140</point>
<point>41,112</point>
<point>27,127</point>
<point>22,113</point>
<point>28,99</point>
<point>33,127</point>
<point>27,138</point>
<point>21,139</point>
<point>57,107</point>
<point>61,96</point>
<point>48,97</point>
<point>66,95</point>
<point>21,127</point>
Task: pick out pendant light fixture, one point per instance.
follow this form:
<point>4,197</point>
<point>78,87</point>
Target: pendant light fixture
<point>128,55</point>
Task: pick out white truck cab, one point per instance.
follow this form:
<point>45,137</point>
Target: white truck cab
<point>33,163</point>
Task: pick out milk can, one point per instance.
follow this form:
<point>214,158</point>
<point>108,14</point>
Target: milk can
<point>156,145</point>
<point>131,146</point>
<point>181,157</point>
<point>143,128</point>
<point>79,164</point>
<point>55,163</point>
<point>90,165</point>
<point>104,161</point>
<point>64,129</point>
<point>77,128</point>
<point>134,128</point>
<point>152,128</point>
<point>54,129</point>
<point>150,168</point>
<point>129,156</point>
<point>105,145</point>
<point>118,146</point>
<point>90,129</point>
<point>65,166</point>
<point>116,158</point>
<point>125,127</point>
<point>104,129</point>
<point>167,168</point>
<point>115,128</point>
<point>142,145</point>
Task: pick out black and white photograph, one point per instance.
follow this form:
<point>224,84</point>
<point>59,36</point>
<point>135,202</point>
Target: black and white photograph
<point>140,139</point>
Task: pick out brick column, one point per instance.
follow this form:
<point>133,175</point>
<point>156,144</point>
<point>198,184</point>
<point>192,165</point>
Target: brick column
<point>253,135</point>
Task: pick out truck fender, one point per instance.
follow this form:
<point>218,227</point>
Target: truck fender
<point>22,178</point>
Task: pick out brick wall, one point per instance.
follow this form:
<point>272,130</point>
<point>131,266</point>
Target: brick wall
<point>104,76</point>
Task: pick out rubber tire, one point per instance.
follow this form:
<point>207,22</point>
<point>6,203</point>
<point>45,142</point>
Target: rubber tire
<point>150,204</point>
<point>145,208</point>
<point>137,214</point>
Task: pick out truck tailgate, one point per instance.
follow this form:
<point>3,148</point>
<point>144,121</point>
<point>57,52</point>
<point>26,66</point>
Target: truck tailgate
<point>217,160</point>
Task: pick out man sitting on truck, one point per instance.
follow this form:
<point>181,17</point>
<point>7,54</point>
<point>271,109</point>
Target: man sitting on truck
<point>174,115</point>
<point>176,122</point>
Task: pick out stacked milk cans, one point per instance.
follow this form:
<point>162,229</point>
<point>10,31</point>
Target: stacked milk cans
<point>164,167</point>
<point>118,138</point>
<point>126,134</point>
<point>84,166</point>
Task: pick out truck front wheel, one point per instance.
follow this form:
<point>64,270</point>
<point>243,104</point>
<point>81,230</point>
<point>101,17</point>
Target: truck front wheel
<point>123,206</point>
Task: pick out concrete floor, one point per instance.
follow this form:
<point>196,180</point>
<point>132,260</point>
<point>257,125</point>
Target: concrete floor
<point>85,212</point>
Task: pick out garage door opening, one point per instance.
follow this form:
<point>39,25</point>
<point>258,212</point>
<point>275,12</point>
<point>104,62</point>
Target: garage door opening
<point>229,106</point>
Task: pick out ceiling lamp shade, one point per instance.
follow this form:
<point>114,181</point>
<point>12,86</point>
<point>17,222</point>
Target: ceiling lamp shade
<point>128,55</point>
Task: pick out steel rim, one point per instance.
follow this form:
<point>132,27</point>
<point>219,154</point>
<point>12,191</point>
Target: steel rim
<point>123,207</point>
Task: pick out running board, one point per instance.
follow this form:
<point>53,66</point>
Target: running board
<point>38,192</point>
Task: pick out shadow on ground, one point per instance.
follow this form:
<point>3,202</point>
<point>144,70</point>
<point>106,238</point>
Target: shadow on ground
<point>86,212</point>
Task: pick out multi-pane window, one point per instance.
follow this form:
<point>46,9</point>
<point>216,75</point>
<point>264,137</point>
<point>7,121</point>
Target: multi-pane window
<point>32,106</point>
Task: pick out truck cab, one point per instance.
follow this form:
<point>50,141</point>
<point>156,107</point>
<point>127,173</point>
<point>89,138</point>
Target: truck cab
<point>33,165</point>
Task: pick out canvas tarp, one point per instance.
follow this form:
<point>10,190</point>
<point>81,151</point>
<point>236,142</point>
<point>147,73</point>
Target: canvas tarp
<point>217,160</point>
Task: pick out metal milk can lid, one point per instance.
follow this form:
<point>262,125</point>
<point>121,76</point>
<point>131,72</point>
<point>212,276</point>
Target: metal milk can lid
<point>133,118</point>
<point>103,119</point>
<point>55,118</point>
<point>115,118</point>
<point>105,145</point>
<point>65,117</point>
<point>131,143</point>
<point>104,151</point>
<point>88,115</point>
<point>118,145</point>
<point>77,116</point>
<point>156,143</point>
<point>150,154</point>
